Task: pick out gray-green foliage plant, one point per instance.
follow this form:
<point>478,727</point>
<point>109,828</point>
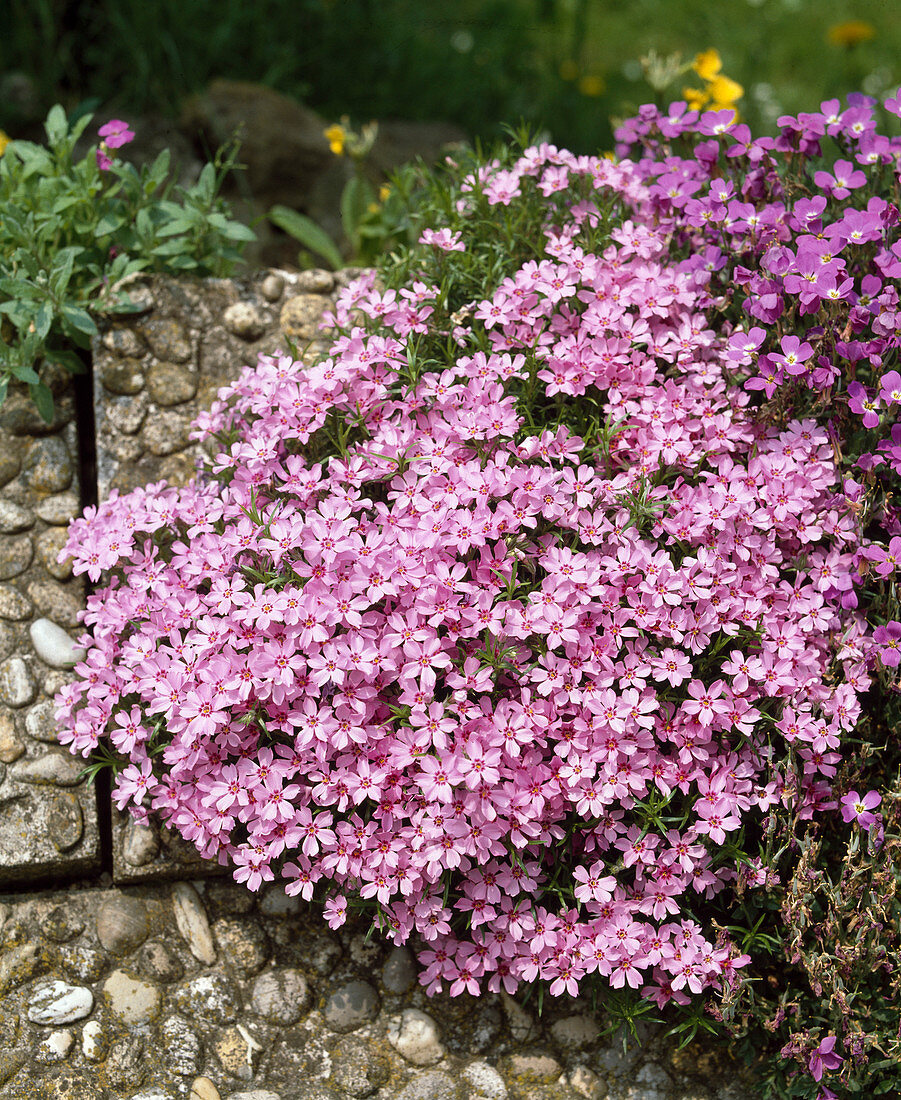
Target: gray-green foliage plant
<point>73,231</point>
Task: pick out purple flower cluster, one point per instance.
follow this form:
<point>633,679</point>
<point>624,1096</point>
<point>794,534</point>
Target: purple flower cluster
<point>515,689</point>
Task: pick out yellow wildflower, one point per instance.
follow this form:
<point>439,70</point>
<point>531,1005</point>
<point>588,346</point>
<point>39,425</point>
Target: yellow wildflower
<point>4,141</point>
<point>724,92</point>
<point>850,33</point>
<point>592,85</point>
<point>336,136</point>
<point>384,192</point>
<point>707,64</point>
<point>695,98</point>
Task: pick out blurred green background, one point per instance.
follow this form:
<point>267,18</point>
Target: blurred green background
<point>566,66</point>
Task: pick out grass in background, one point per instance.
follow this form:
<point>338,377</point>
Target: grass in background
<point>564,65</point>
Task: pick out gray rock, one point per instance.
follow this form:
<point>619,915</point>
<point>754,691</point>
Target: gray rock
<point>18,965</point>
<point>207,997</point>
<point>126,1067</point>
<point>55,1047</point>
<point>316,280</point>
<point>16,553</point>
<point>94,1041</point>
<point>276,903</point>
<point>14,518</point>
<point>58,769</point>
<point>9,641</point>
<point>47,467</point>
<point>399,971</point>
<point>254,1094</point>
<point>40,722</point>
<point>166,433</point>
<point>48,547</point>
<point>192,922</point>
<point>11,745</point>
<point>65,820</point>
<point>62,924</point>
<point>126,414</point>
<point>272,287</point>
<point>123,341</point>
<point>141,844</point>
<point>131,999</point>
<point>54,646</point>
<point>122,924</point>
<point>168,340</point>
<point>58,509</point>
<point>171,384</point>
<point>13,605</point>
<point>159,963</point>
<point>244,945</point>
<point>434,1085</point>
<point>414,1035</point>
<point>574,1033</point>
<point>485,1080</point>
<point>83,963</point>
<point>55,602</point>
<point>182,1047</point>
<point>300,315</point>
<point>358,1068</point>
<point>350,1006</point>
<point>123,377</point>
<point>58,1003</point>
<point>244,320</point>
<point>280,996</point>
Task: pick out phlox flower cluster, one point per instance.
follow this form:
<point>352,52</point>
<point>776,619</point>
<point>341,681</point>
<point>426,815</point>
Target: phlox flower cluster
<point>805,242</point>
<point>514,686</point>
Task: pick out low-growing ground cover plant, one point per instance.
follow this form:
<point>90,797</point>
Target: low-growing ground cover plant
<point>72,230</point>
<point>544,618</point>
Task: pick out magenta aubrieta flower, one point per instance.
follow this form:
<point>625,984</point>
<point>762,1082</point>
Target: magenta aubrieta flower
<point>824,1058</point>
<point>858,809</point>
<point>888,638</point>
<point>115,133</point>
<point>860,402</point>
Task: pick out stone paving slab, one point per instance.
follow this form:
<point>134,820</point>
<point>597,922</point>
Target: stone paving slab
<point>205,990</point>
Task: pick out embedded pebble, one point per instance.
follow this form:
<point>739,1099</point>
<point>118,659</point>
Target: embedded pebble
<point>316,280</point>
<point>11,746</point>
<point>236,1048</point>
<point>94,1042</point>
<point>170,384</point>
<point>58,769</point>
<point>358,1068</point>
<point>207,996</point>
<point>255,1094</point>
<point>14,518</point>
<point>56,1046</point>
<point>40,722</point>
<point>54,646</point>
<point>280,996</point>
<point>243,944</point>
<point>59,1003</point>
<point>430,1086</point>
<point>300,315</point>
<point>399,971</point>
<point>15,556</point>
<point>202,1088</point>
<point>167,340</point>
<point>192,922</point>
<point>123,341</point>
<point>132,1000</point>
<point>49,546</point>
<point>272,287</point>
<point>58,509</point>
<point>55,602</point>
<point>414,1035</point>
<point>276,903</point>
<point>182,1046</point>
<point>13,605</point>
<point>158,961</point>
<point>65,821</point>
<point>351,1005</point>
<point>575,1032</point>
<point>126,414</point>
<point>124,377</point>
<point>244,320</point>
<point>586,1083</point>
<point>122,925</point>
<point>141,844</point>
<point>17,965</point>
<point>485,1080</point>
<point>47,467</point>
<point>17,686</point>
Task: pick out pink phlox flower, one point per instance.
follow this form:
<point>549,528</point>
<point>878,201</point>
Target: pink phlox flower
<point>824,1058</point>
<point>858,809</point>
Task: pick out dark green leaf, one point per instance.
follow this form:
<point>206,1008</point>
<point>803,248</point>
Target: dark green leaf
<point>43,399</point>
<point>79,319</point>
<point>307,232</point>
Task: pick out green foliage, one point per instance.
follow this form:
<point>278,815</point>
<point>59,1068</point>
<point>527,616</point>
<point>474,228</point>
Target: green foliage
<point>71,234</point>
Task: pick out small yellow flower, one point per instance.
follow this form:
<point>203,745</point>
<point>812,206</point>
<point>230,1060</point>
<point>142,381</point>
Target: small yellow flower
<point>569,70</point>
<point>373,208</point>
<point>707,64</point>
<point>4,141</point>
<point>384,192</point>
<point>592,85</point>
<point>724,92</point>
<point>336,136</point>
<point>851,33</point>
<point>695,98</point>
